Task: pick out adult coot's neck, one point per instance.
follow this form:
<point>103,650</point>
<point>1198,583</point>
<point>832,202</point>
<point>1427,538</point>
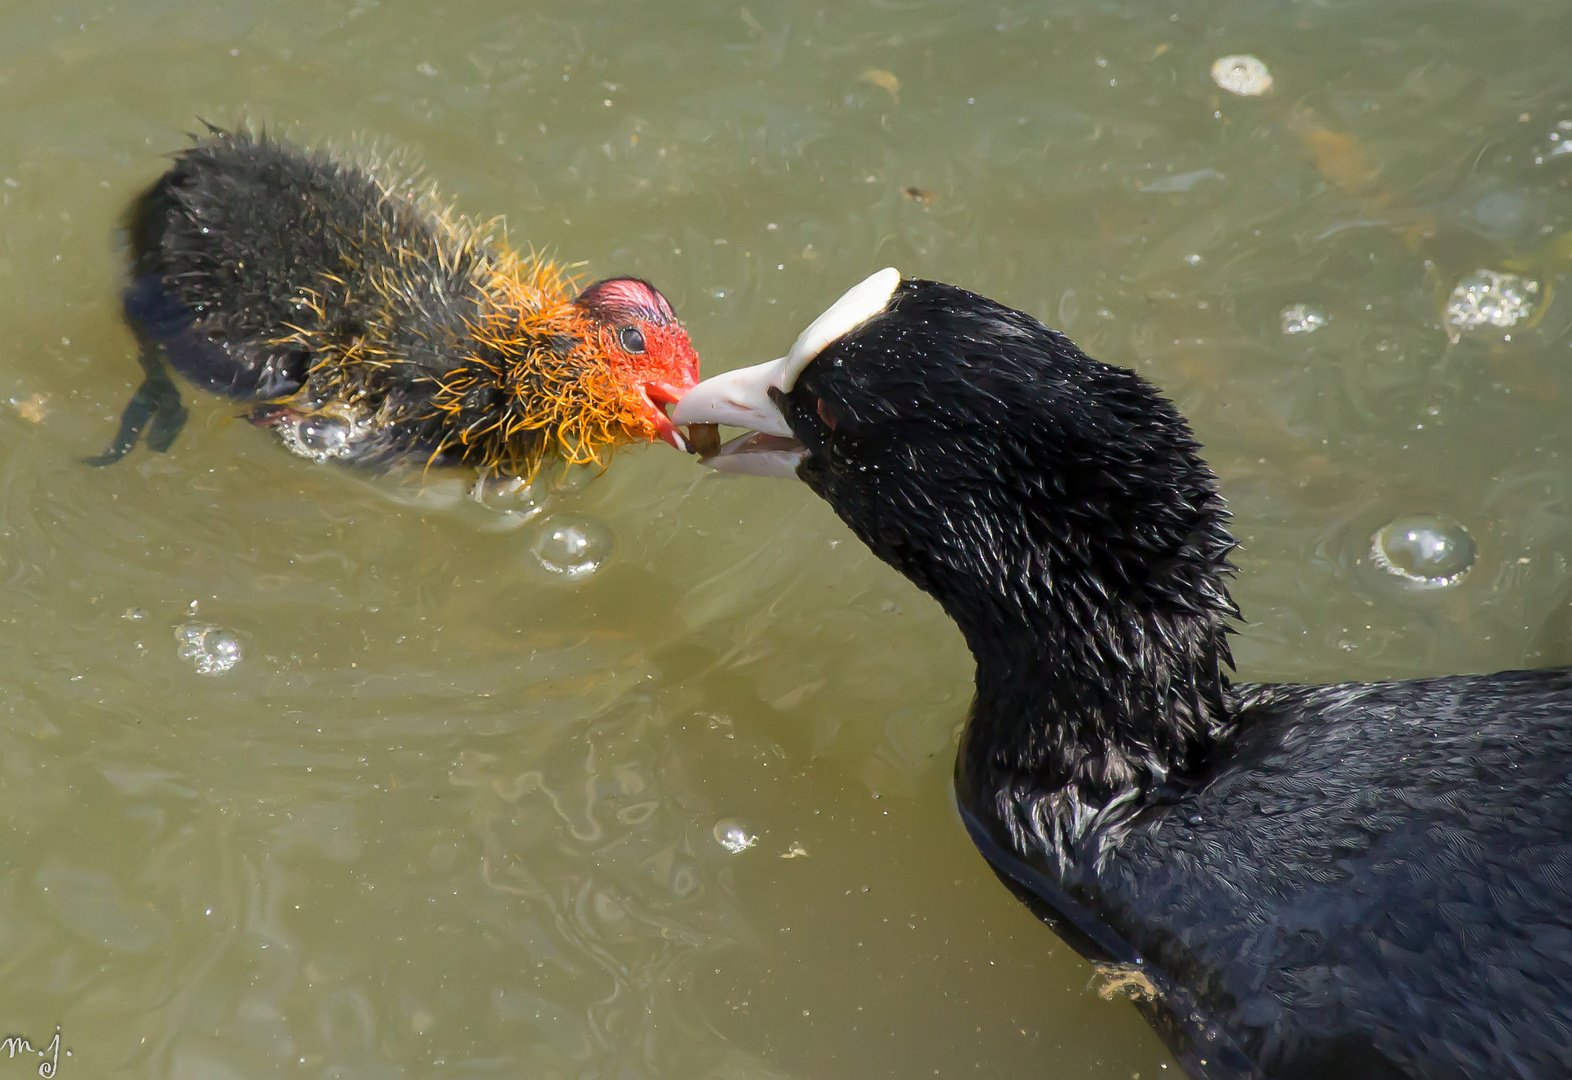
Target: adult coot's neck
<point>1100,625</point>
<point>1113,681</point>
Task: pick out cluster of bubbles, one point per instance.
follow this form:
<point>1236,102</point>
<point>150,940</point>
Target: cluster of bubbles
<point>210,650</point>
<point>323,436</point>
<point>1489,298</point>
<point>1302,319</point>
<point>1423,551</point>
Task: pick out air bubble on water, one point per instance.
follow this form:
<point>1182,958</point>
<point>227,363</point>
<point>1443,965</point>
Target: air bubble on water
<point>1242,75</point>
<point>134,613</point>
<point>323,436</point>
<point>496,489</point>
<point>1302,319</point>
<point>575,478</point>
<point>1429,552</point>
<point>572,547</point>
<point>515,500</point>
<point>734,836</point>
<point>210,650</point>
<point>1489,298</point>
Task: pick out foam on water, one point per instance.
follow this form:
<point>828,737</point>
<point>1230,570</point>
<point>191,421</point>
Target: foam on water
<point>210,650</point>
<point>1489,298</point>
<point>1302,319</point>
<point>1243,75</point>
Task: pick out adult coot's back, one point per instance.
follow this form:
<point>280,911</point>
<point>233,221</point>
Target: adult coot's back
<point>1361,880</point>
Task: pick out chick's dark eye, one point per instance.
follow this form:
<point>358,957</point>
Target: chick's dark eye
<point>631,338</point>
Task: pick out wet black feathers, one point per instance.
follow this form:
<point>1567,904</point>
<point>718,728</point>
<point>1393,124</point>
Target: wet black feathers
<point>1374,881</point>
<point>252,236</point>
<point>1361,880</point>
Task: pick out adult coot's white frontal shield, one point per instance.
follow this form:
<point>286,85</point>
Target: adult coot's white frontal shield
<point>741,398</point>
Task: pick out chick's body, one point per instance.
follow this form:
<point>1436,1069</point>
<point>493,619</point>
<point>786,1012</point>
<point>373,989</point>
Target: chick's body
<point>374,326</point>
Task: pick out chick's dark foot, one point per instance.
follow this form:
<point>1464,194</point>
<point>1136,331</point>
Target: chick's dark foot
<point>155,408</point>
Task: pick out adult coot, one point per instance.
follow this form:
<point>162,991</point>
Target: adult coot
<point>372,325</point>
<point>1359,880</point>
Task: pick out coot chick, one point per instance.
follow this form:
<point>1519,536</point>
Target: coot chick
<point>371,325</point>
<point>1356,880</point>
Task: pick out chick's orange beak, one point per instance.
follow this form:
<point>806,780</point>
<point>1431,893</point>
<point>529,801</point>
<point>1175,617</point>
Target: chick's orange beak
<point>659,395</point>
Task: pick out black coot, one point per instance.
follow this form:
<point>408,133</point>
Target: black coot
<point>1359,880</point>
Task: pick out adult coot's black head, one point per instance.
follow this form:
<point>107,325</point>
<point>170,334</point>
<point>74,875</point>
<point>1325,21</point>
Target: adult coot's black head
<point>1056,506</point>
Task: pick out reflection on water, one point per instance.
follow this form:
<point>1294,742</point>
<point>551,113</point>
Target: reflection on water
<point>464,809</point>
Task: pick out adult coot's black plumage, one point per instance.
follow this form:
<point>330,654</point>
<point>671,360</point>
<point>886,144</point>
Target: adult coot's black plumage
<point>375,326</point>
<point>1360,880</point>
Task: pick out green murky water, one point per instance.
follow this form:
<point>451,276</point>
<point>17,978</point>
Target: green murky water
<point>452,815</point>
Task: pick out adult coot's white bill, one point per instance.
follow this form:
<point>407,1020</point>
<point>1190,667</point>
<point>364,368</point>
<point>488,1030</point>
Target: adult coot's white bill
<point>1360,880</point>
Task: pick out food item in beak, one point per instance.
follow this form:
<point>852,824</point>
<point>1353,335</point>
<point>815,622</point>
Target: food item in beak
<point>704,439</point>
